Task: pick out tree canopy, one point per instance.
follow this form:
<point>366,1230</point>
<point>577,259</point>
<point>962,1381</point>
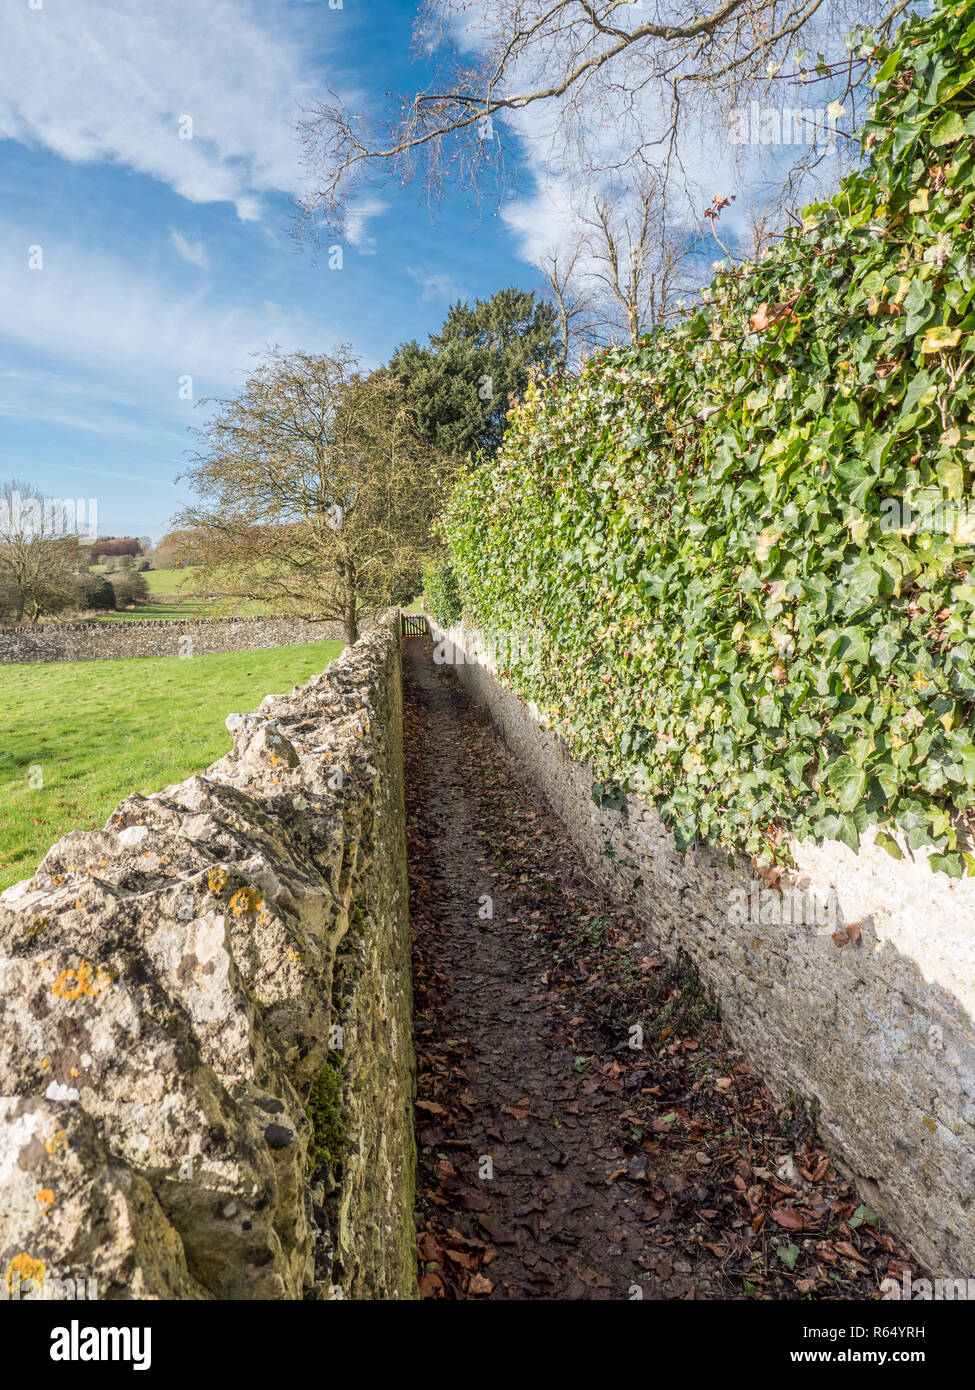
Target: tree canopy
<point>317,494</point>
<point>461,384</point>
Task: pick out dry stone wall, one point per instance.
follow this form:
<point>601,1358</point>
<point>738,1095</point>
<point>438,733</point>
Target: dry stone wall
<point>172,988</point>
<point>851,981</point>
<point>125,637</point>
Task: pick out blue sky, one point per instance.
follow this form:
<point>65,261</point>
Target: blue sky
<point>164,258</point>
<point>132,259</point>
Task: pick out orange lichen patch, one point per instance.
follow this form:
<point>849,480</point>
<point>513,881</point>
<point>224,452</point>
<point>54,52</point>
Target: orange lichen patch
<point>45,1063</point>
<point>58,1140</point>
<point>292,954</point>
<point>40,925</point>
<point>74,1071</point>
<point>46,1197</point>
<point>245,900</point>
<point>25,1267</point>
<point>87,979</point>
<point>217,880</point>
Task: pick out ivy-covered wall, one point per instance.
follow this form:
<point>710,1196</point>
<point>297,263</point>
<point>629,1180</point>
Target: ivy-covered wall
<point>849,981</point>
<point>733,564</point>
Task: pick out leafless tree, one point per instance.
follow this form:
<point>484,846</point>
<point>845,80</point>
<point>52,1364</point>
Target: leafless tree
<point>618,79</point>
<point>639,264</point>
<point>625,271</point>
<point>38,565</point>
<point>317,495</point>
<point>575,304</point>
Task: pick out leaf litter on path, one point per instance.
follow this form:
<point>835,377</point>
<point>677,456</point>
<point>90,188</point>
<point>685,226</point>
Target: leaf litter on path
<point>557,1160</point>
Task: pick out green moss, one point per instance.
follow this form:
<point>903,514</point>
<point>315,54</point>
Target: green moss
<point>326,1110</point>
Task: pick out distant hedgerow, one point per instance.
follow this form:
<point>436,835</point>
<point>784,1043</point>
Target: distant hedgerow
<point>441,592</point>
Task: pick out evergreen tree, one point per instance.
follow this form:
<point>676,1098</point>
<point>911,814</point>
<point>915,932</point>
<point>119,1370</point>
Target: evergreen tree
<point>460,384</point>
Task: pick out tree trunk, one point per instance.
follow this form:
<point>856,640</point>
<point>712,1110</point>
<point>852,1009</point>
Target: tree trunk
<point>349,607</point>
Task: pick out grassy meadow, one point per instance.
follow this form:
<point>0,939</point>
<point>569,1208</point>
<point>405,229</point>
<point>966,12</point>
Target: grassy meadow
<point>98,730</point>
<point>172,594</point>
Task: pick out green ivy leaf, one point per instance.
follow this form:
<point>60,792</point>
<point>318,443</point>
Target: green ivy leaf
<point>950,127</point>
<point>849,782</point>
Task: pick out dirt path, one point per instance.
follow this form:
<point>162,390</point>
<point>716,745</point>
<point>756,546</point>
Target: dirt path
<point>557,1159</point>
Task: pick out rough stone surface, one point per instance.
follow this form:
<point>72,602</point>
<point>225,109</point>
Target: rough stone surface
<point>170,989</point>
<point>877,1032</point>
<point>158,637</point>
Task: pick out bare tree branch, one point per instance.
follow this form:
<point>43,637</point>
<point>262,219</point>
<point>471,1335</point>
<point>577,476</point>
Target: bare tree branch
<point>590,64</point>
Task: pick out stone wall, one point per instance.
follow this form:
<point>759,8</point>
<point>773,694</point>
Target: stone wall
<point>125,637</point>
<point>172,989</point>
<point>851,981</point>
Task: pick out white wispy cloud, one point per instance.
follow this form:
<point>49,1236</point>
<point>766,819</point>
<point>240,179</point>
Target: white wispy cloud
<point>435,287</point>
<point>139,478</point>
<point>100,315</point>
<point>127,83</point>
<point>357,214</point>
<point>193,251</point>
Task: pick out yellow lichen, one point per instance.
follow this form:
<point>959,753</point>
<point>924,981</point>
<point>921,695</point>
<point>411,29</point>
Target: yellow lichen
<point>217,880</point>
<point>58,1140</point>
<point>26,1267</point>
<point>245,900</point>
<point>46,1196</point>
<point>87,979</point>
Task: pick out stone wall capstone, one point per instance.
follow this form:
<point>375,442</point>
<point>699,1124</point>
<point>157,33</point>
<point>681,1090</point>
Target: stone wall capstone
<point>850,981</point>
<point>173,987</point>
<point>126,637</point>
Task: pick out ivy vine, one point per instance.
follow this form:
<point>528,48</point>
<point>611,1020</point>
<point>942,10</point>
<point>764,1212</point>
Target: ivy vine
<point>747,542</point>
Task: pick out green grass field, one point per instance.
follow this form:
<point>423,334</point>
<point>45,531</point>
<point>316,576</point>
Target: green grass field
<point>98,730</point>
<point>180,608</point>
<point>165,582</point>
<point>170,581</point>
<point>172,596</point>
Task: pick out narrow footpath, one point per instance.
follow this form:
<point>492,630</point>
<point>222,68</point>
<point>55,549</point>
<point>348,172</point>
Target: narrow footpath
<point>585,1130</point>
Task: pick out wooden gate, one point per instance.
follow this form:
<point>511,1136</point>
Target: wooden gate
<point>414,625</point>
